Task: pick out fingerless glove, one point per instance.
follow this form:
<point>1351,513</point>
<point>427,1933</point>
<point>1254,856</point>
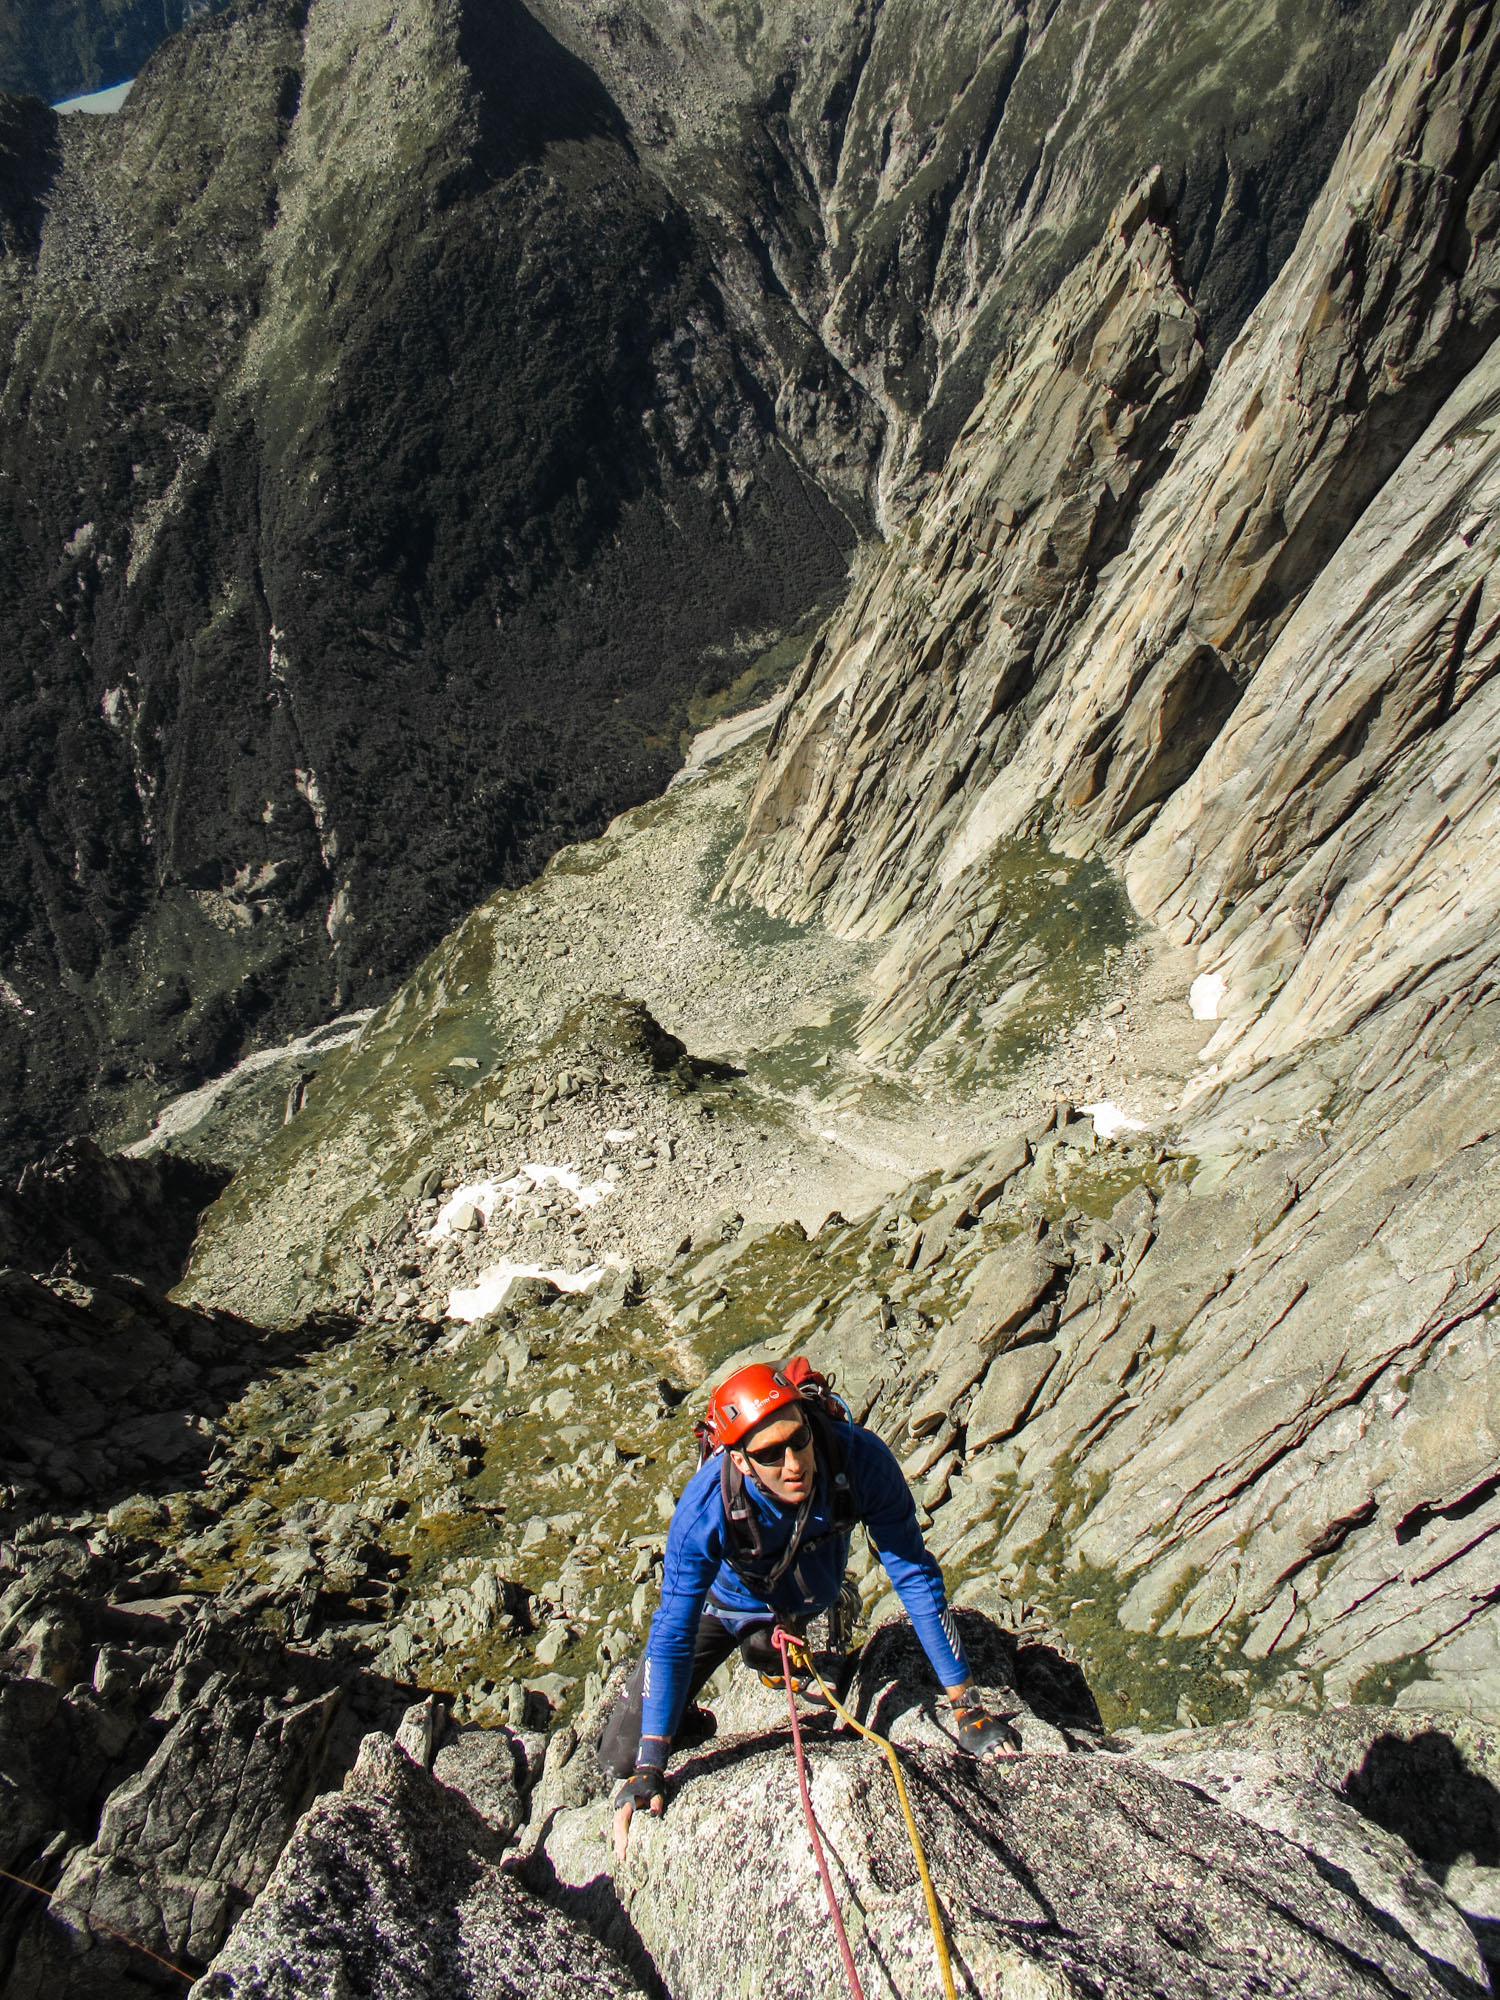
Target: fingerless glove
<point>646,1782</point>
<point>981,1734</point>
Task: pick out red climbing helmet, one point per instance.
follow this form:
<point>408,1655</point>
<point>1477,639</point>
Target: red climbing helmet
<point>750,1395</point>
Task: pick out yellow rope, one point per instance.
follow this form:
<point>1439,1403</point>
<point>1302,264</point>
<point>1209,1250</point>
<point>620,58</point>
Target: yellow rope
<point>934,1914</point>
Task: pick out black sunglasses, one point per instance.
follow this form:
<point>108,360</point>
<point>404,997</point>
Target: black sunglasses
<point>773,1454</point>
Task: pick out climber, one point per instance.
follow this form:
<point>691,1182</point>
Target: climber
<point>761,1537</point>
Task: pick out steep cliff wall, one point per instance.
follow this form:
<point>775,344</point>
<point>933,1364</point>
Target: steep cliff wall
<point>917,692</point>
<point>915,183</point>
<point>1335,851</point>
<point>1387,307</point>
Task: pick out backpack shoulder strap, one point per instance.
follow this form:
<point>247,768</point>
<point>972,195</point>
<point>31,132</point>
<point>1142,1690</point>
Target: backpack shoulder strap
<point>745,1549</point>
<point>741,1528</point>
<point>828,1429</point>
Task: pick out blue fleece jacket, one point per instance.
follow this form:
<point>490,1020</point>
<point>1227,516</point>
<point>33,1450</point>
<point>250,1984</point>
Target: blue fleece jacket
<point>694,1567</point>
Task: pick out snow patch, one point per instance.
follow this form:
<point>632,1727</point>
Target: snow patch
<point>184,1112</point>
<point>97,103</point>
<point>487,1196</point>
<point>488,1293</point>
<point>1204,995</point>
<point>1109,1119</point>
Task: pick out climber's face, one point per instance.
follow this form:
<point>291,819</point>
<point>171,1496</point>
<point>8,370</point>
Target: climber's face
<point>780,1456</point>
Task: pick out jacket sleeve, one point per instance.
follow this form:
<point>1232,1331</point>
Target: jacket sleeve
<point>691,1562</point>
<point>889,1512</point>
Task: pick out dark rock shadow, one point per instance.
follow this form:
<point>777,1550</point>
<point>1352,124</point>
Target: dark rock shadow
<point>89,1210</point>
<point>30,158</point>
<point>1424,1792</point>
<point>894,1674</point>
<point>533,93</point>
<point>1055,1687</point>
<point>113,1390</point>
<point>595,1904</point>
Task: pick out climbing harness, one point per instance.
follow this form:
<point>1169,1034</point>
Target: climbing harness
<point>97,1924</point>
<point>794,1653</point>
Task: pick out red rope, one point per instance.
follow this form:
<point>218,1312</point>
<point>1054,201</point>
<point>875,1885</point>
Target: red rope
<point>781,1642</point>
<point>98,1924</point>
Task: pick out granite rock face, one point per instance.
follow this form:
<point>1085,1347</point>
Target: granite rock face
<point>1058,1874</point>
<point>915,186</point>
<point>1314,424</point>
<point>182,1846</point>
<point>1391,295</point>
<point>961,619</point>
<point>1333,855</point>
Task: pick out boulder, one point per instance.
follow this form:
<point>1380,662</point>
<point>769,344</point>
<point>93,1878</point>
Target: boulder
<point>480,1764</point>
<point>1390,1805</point>
<point>1007,1285</point>
<point>1010,1383</point>
<point>1059,1876</point>
<point>392,1889</point>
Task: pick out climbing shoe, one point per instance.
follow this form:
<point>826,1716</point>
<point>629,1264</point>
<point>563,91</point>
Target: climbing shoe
<point>981,1734</point>
<point>697,1726</point>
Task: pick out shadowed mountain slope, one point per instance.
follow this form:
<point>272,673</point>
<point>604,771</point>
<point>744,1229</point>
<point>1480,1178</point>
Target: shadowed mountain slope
<point>381,476</point>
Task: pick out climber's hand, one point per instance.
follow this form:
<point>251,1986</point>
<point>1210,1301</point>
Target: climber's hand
<point>647,1788</point>
<point>981,1734</point>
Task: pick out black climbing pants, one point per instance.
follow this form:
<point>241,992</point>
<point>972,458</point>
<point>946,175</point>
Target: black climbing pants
<point>711,1648</point>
